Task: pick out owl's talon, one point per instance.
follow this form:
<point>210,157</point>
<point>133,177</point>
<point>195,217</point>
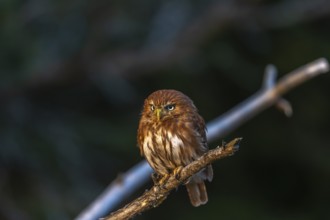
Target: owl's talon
<point>163,180</point>
<point>155,178</point>
<point>177,172</point>
<point>159,180</point>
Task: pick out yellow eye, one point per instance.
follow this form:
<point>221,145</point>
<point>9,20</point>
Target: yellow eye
<point>170,107</point>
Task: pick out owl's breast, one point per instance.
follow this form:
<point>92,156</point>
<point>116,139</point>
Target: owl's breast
<point>165,150</point>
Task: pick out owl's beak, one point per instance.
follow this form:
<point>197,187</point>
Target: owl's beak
<point>159,113</point>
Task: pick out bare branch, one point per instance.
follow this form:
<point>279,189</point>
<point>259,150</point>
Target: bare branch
<point>217,128</point>
<point>269,82</point>
<point>269,77</point>
<point>284,106</point>
<point>157,194</point>
<point>264,98</point>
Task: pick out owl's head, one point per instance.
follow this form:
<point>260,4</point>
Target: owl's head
<point>162,105</point>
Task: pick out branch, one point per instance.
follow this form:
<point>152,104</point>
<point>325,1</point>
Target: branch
<point>156,195</point>
<point>269,94</point>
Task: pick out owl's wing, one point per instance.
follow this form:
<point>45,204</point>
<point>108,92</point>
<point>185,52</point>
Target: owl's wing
<point>199,124</point>
<point>201,130</point>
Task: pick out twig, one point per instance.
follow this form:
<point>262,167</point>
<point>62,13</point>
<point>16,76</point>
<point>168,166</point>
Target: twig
<point>217,128</point>
<point>156,195</point>
<point>269,82</point>
<point>265,98</point>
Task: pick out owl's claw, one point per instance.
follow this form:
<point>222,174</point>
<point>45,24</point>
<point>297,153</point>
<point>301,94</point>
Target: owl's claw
<point>155,178</point>
<point>159,180</point>
<point>163,180</point>
<point>177,172</point>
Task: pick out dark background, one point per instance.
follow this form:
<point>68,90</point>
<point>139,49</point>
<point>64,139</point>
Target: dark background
<point>74,75</point>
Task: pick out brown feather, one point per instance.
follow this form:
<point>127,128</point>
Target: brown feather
<point>197,193</point>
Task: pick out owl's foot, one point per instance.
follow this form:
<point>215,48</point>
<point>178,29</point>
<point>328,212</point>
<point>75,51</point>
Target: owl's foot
<point>155,178</point>
<point>177,172</point>
<point>163,180</point>
<point>159,180</point>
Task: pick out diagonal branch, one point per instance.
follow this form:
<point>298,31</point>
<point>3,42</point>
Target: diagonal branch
<point>156,195</point>
<point>268,95</point>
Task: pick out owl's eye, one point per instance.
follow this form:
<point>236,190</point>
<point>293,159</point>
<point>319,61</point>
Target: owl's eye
<point>170,107</point>
<point>152,107</point>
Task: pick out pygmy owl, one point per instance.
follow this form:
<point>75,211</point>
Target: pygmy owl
<point>171,135</point>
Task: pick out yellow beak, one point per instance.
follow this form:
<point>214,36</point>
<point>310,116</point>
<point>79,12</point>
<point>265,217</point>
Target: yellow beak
<point>159,113</point>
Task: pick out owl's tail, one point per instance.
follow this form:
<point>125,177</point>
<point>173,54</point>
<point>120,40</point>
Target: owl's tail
<point>196,187</point>
<point>197,193</point>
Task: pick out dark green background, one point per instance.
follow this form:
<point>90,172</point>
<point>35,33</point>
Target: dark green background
<point>74,75</point>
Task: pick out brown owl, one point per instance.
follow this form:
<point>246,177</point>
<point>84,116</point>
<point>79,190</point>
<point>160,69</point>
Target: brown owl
<point>171,135</point>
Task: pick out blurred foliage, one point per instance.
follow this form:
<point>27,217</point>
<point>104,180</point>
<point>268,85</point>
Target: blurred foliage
<point>74,75</point>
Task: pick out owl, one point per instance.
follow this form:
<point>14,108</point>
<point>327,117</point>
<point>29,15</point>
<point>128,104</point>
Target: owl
<point>171,135</point>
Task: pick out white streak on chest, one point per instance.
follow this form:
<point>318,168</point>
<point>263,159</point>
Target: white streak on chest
<point>147,146</point>
<point>176,142</point>
<point>177,145</point>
